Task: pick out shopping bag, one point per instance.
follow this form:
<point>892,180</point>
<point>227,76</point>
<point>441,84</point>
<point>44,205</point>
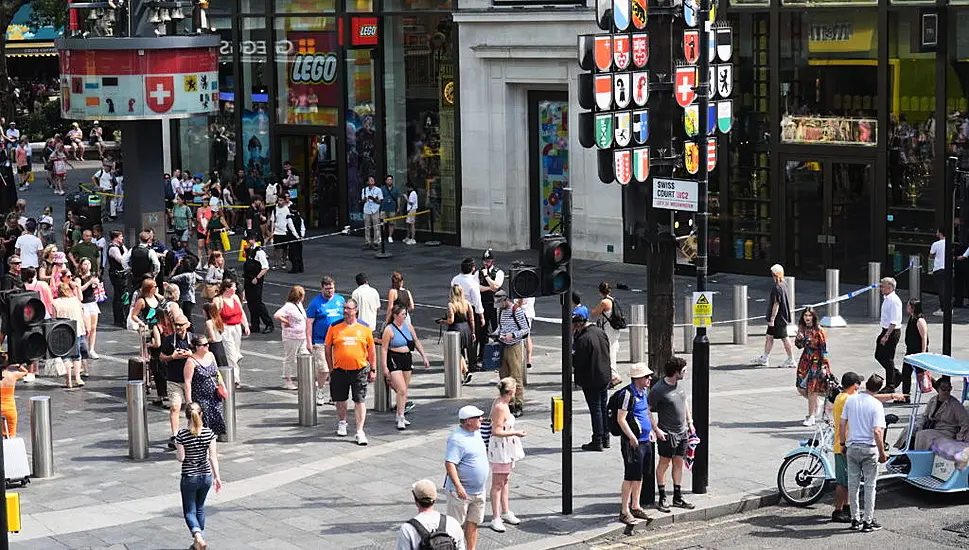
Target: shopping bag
<point>30,176</point>
<point>925,381</point>
<point>242,250</point>
<point>492,356</point>
<point>226,245</point>
<point>100,295</point>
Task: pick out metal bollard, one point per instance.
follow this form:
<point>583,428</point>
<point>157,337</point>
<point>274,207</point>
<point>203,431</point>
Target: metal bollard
<point>740,314</point>
<point>832,289</point>
<point>792,327</point>
<point>381,390</point>
<point>452,364</point>
<point>41,443</point>
<point>229,406</point>
<point>306,390</point>
<point>137,420</point>
<point>637,334</point>
<point>915,277</point>
<point>689,331</point>
<point>875,295</point>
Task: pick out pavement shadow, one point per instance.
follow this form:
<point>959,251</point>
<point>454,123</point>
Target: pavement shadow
<point>782,527</point>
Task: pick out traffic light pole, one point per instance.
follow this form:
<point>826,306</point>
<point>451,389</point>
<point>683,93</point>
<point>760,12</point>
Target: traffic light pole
<point>701,343</point>
<point>567,362</point>
<point>948,213</point>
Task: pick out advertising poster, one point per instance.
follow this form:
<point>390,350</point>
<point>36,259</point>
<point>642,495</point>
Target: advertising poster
<point>311,93</point>
<point>553,161</point>
<point>255,139</point>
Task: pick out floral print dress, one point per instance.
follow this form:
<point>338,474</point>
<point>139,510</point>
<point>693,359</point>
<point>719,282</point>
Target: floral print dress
<point>813,369</point>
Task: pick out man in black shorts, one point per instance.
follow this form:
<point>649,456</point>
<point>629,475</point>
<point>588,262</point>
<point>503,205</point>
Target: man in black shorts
<point>672,423</point>
<point>778,318</point>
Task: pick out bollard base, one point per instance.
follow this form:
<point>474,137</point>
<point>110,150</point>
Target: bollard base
<point>432,243</point>
<point>836,322</point>
<point>383,255</point>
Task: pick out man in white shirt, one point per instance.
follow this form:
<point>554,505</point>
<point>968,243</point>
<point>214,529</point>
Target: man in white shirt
<point>939,265</point>
<point>279,223</point>
<point>368,301</point>
<point>468,280</point>
<point>29,246</point>
<point>104,179</point>
<point>176,182</point>
<point>425,495</point>
<point>887,341</point>
<point>411,214</point>
<point>13,136</point>
<point>862,433</point>
<point>371,196</point>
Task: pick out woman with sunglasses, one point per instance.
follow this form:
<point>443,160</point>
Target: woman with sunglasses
<point>398,341</point>
<point>202,383</point>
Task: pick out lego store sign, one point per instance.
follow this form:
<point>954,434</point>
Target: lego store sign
<point>363,31</point>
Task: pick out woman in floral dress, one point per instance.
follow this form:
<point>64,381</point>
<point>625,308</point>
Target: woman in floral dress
<point>813,370</point>
<point>201,383</point>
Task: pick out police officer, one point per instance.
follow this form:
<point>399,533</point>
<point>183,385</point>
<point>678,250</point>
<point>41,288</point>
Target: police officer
<point>254,271</point>
<point>491,279</point>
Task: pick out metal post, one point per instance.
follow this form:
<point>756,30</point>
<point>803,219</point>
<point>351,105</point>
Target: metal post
<point>41,443</point>
<point>874,296</point>
<point>383,254</point>
<point>740,314</point>
<point>637,334</point>
<point>229,407</point>
<point>915,277</point>
<point>948,215</point>
<point>566,298</point>
<point>689,331</point>
<point>832,289</point>
<point>137,420</point>
<point>433,240</point>
<point>791,294</point>
<point>306,390</point>
<point>381,390</point>
<point>452,364</point>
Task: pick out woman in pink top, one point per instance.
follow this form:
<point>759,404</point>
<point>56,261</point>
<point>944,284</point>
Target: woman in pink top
<point>31,282</point>
<point>23,167</point>
<point>292,317</point>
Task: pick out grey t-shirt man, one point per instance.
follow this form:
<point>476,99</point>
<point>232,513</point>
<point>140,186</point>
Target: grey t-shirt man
<point>669,403</point>
<point>778,295</point>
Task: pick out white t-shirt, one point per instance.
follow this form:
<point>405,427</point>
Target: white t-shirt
<point>281,216</point>
<point>30,246</point>
<point>528,305</point>
<point>891,311</point>
<point>368,302</point>
<point>864,413</point>
<point>272,191</point>
<point>938,251</point>
<point>472,290</point>
<point>262,258</point>
<point>412,202</point>
<point>407,538</point>
<point>13,134</point>
<point>104,179</point>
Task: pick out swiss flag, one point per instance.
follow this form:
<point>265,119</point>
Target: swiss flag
<point>160,93</point>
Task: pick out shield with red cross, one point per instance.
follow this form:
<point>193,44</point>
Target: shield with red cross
<point>684,85</point>
<point>160,93</point>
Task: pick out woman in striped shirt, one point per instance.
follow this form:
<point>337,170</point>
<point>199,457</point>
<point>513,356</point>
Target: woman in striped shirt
<point>195,448</point>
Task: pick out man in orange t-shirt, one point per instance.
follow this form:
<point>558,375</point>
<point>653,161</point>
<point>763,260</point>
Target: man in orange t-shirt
<point>352,357</point>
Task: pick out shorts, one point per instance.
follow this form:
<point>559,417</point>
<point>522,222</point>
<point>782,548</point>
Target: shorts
<point>344,383</point>
<point>319,358</point>
<point>841,469</point>
<point>466,511</point>
<point>281,241</point>
<point>638,462</point>
<point>403,362</point>
<point>200,236</point>
<point>675,445</point>
<point>411,218</point>
<point>23,169</point>
<point>778,331</point>
<point>176,394</point>
<point>502,467</point>
<point>81,351</point>
<point>90,308</point>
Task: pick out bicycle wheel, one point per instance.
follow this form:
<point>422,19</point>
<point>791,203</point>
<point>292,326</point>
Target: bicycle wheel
<point>802,479</point>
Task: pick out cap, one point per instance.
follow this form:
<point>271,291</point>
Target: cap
<point>579,317</point>
<point>488,255</point>
<point>60,258</point>
<point>469,411</point>
<point>777,269</point>
<point>639,370</point>
<point>424,490</point>
<point>47,219</point>
<point>96,123</point>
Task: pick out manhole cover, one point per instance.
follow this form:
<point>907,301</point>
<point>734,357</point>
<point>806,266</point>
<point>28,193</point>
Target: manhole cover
<point>961,528</point>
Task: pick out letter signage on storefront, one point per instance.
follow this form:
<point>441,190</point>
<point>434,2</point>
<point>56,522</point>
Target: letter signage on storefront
<point>314,68</point>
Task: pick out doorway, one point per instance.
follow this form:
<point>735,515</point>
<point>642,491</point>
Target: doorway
<point>829,208</point>
<point>319,195</point>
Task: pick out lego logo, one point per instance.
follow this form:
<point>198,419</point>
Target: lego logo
<point>368,30</point>
<point>317,68</point>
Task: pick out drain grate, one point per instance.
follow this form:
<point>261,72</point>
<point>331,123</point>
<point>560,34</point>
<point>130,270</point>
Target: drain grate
<point>961,528</point>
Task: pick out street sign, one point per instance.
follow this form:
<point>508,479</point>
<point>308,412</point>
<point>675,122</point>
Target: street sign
<point>674,194</point>
<point>702,309</point>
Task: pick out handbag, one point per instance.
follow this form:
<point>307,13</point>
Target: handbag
<point>485,431</point>
<point>925,381</point>
<point>220,387</point>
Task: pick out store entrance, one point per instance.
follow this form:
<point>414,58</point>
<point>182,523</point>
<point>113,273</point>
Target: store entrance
<point>829,217</point>
<point>318,192</point>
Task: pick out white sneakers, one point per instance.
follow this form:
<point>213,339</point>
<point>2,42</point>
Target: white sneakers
<point>788,363</point>
<point>321,398</point>
<point>341,428</point>
<point>938,313</point>
<point>93,355</point>
<point>809,421</point>
<point>401,422</point>
<point>361,438</point>
<point>289,385</point>
<point>759,361</point>
<point>498,524</point>
<point>390,239</point>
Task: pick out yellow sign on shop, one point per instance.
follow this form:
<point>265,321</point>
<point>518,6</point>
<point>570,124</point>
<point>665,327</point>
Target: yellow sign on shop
<point>702,309</point>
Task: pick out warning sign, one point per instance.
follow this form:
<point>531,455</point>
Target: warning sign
<point>702,309</point>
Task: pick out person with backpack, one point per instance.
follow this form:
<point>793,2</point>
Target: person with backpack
<point>631,412</point>
<point>254,271</point>
<point>591,371</point>
<point>611,320</point>
<point>429,529</point>
<point>512,332</point>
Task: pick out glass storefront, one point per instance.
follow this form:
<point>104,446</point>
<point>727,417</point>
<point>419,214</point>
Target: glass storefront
<point>254,60</point>
<point>307,83</point>
<point>361,127</point>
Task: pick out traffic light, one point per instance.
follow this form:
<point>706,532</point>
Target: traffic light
<point>524,281</point>
<point>25,335</point>
<point>61,336</point>
<point>553,265</point>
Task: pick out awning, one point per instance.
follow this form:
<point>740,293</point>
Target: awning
<point>31,49</point>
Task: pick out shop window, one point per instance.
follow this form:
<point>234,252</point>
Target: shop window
<point>253,6</point>
<point>957,107</point>
<point>911,142</point>
<point>420,99</point>
<point>361,128</point>
<point>746,214</point>
<point>829,70</point>
<point>405,5</point>
<point>307,71</point>
<point>309,6</point>
<point>255,92</point>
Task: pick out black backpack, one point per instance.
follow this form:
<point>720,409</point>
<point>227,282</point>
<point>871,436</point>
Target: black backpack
<point>617,320</point>
<point>434,540</point>
<point>612,413</point>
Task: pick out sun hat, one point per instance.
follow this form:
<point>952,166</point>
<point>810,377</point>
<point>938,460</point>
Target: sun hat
<point>469,411</point>
<point>639,370</point>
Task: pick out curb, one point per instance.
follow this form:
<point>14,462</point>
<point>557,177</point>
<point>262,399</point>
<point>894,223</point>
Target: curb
<point>746,502</point>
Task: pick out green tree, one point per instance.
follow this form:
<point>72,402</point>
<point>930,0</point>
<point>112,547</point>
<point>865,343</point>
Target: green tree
<point>47,12</point>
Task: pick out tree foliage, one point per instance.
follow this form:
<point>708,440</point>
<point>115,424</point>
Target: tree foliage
<point>50,12</point>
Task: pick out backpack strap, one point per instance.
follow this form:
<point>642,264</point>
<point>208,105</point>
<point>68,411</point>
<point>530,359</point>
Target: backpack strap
<point>442,526</point>
<point>422,531</point>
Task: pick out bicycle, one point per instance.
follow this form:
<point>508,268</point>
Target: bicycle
<point>809,467</point>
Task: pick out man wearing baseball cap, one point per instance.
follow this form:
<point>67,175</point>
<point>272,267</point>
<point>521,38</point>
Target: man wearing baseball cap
<point>428,523</point>
<point>466,462</point>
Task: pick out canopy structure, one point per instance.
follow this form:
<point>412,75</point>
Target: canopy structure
<point>939,364</point>
<point>26,39</point>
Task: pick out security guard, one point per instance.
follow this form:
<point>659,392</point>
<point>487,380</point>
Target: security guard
<point>491,279</point>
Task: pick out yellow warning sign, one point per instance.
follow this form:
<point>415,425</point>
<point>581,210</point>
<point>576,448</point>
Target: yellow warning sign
<point>702,309</point>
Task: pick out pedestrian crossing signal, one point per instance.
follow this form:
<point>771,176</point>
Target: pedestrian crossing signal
<point>554,265</point>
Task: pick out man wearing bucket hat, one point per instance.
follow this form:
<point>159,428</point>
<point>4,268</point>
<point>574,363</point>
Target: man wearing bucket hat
<point>466,463</point>
<point>637,443</point>
<point>428,524</point>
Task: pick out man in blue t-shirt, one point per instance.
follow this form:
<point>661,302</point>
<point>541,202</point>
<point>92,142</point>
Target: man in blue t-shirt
<point>636,444</point>
<point>323,312</point>
<point>466,463</point>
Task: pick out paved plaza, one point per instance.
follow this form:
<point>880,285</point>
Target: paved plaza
<point>297,487</point>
